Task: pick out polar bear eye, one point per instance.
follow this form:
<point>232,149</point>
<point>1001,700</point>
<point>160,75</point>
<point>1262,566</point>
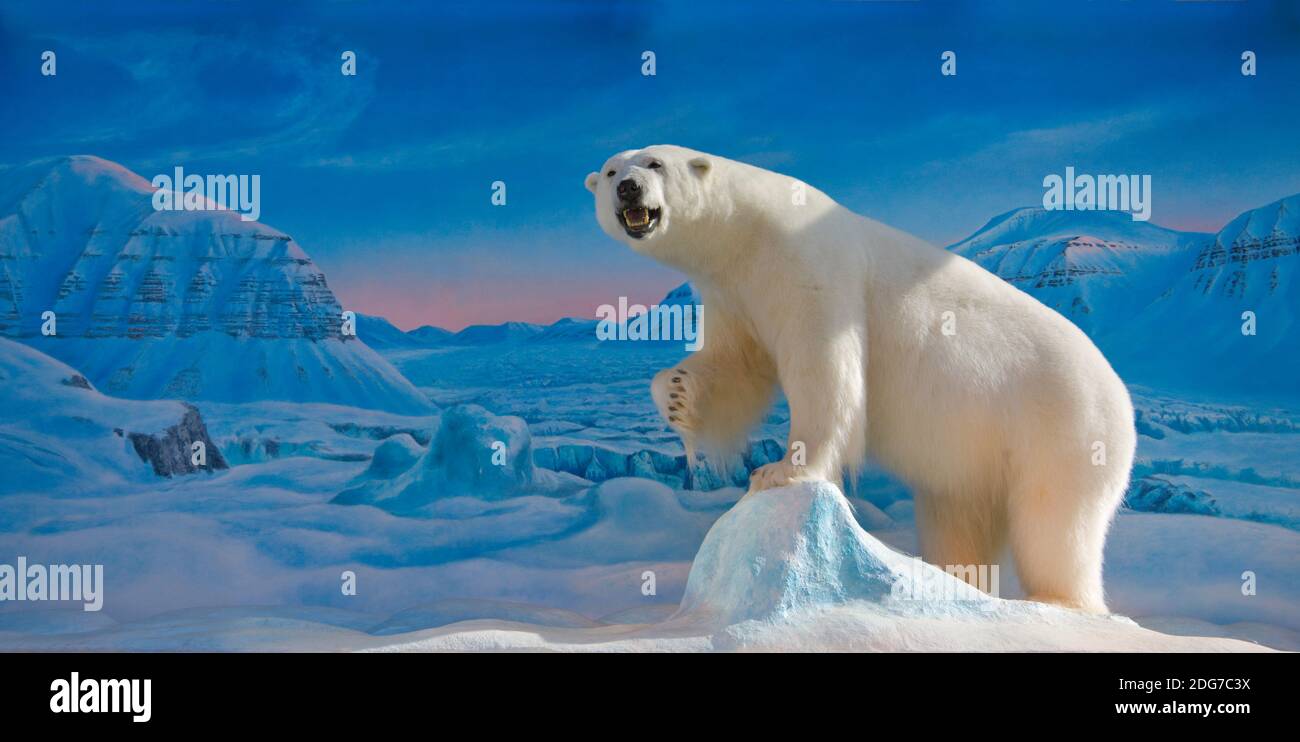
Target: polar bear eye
<point>609,174</point>
<point>655,165</point>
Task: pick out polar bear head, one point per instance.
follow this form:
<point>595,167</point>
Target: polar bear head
<point>648,197</point>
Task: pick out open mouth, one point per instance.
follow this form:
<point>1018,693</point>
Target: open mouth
<point>639,221</point>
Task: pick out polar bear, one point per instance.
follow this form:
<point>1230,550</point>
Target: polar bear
<point>1002,416</point>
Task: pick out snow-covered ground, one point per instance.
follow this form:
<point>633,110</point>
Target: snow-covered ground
<point>786,569</point>
<point>252,557</point>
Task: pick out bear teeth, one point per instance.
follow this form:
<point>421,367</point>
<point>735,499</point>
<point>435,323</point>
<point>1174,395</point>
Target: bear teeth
<point>636,217</point>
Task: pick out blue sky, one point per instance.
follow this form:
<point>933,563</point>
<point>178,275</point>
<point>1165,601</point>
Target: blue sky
<point>385,178</point>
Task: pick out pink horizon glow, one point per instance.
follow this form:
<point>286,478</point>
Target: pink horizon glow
<point>455,307</point>
<point>1201,224</point>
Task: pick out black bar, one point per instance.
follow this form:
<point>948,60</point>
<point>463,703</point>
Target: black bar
<point>209,692</point>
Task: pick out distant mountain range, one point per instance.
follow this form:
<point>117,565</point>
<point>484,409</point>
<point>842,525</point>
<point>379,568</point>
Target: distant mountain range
<point>175,304</point>
<point>382,335</point>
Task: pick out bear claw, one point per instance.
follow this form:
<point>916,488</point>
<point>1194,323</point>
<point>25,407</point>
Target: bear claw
<point>673,392</point>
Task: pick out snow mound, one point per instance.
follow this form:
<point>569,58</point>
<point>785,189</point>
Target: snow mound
<point>472,453</point>
<point>476,452</point>
<point>394,456</point>
<point>781,551</point>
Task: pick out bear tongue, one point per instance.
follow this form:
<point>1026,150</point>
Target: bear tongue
<point>636,217</point>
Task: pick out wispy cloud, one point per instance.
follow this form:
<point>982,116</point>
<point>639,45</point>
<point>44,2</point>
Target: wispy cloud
<point>246,94</point>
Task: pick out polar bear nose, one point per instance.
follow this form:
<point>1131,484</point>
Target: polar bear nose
<point>629,189</point>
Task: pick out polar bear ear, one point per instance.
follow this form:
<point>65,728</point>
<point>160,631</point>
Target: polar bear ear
<point>592,178</point>
<point>700,166</point>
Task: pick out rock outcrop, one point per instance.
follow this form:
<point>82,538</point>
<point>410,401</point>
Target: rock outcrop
<point>173,452</point>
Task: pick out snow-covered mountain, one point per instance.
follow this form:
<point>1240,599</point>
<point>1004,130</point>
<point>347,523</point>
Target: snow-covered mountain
<point>1165,306</point>
<point>1094,267</point>
<point>179,304</point>
<point>1199,326</point>
<point>380,334</point>
<point>569,329</point>
<point>507,332</point>
<point>429,335</point>
<point>681,296</point>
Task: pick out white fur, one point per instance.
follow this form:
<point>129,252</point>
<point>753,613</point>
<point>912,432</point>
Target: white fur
<point>994,427</point>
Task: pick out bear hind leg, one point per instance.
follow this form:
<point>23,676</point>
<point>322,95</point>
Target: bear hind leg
<point>1058,535</point>
<point>959,534</point>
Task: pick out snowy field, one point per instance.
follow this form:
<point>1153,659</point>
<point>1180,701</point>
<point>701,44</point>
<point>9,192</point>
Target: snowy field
<point>537,555</point>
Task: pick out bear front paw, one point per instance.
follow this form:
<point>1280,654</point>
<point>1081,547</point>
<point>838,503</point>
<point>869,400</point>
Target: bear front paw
<point>776,474</point>
<point>674,393</point>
